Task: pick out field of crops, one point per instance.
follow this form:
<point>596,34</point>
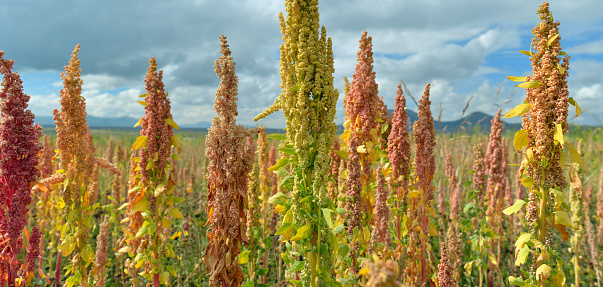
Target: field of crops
<point>385,202</point>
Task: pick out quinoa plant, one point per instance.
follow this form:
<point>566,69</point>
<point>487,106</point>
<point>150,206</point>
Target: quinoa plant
<point>308,102</point>
<point>545,152</point>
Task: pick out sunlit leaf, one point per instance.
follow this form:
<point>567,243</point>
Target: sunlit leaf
<point>280,164</point>
<point>558,136</point>
<point>140,142</point>
<point>520,140</point>
<point>171,123</point>
<point>281,137</point>
<point>548,43</point>
<point>515,207</point>
<point>575,104</point>
<point>544,270</point>
<point>516,79</point>
<point>244,257</point>
<point>532,84</point>
<point>518,110</point>
<point>303,233</point>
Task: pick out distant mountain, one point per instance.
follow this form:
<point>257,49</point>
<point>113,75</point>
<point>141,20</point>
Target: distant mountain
<point>121,122</point>
<point>96,122</point>
<point>477,120</point>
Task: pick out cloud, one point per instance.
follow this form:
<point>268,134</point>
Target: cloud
<point>452,44</point>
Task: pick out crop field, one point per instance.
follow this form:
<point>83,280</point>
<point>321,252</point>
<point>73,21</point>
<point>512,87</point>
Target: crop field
<point>381,201</point>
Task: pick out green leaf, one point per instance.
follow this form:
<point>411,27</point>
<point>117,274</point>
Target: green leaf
<point>522,255</point>
<point>297,266</point>
<point>337,229</point>
<point>142,231</point>
<point>558,136</point>
<point>280,137</point>
<point>518,110</point>
<point>294,88</point>
<point>172,270</point>
<point>517,281</point>
<point>286,226</point>
<point>573,102</point>
<point>520,140</point>
<point>516,79</point>
<point>280,164</point>
<point>468,207</point>
<point>515,207</point>
<point>531,84</point>
<point>287,150</point>
<point>303,233</point>
<point>87,253</point>
<point>278,198</point>
<point>175,212</point>
<point>142,205</point>
<point>327,213</point>
<point>527,182</point>
<point>343,154</point>
<point>244,257</point>
<point>171,123</point>
<point>562,218</point>
<point>341,210</point>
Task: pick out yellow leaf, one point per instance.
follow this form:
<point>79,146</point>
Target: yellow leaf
<point>244,257</point>
<point>171,123</point>
<point>522,255</point>
<point>518,110</point>
<point>520,140</point>
<point>140,205</point>
<point>558,136</point>
<point>279,164</point>
<point>573,102</point>
<point>142,103</point>
<point>562,218</point>
<point>303,232</point>
<point>361,149</point>
<point>124,249</point>
<point>138,123</point>
<point>544,269</point>
<point>280,209</point>
<point>548,43</point>
<point>67,247</point>
<point>87,254</point>
<point>516,79</point>
<point>532,84</point>
<point>166,222</point>
<point>140,142</point>
<point>363,271</point>
<point>515,207</point>
<point>175,212</point>
<point>575,155</point>
<point>165,278</point>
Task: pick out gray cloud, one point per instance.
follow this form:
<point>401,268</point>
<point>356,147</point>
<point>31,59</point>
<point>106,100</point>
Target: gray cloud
<point>446,43</point>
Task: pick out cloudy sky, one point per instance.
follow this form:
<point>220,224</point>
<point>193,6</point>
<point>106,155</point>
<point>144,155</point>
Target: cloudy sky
<point>464,48</point>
